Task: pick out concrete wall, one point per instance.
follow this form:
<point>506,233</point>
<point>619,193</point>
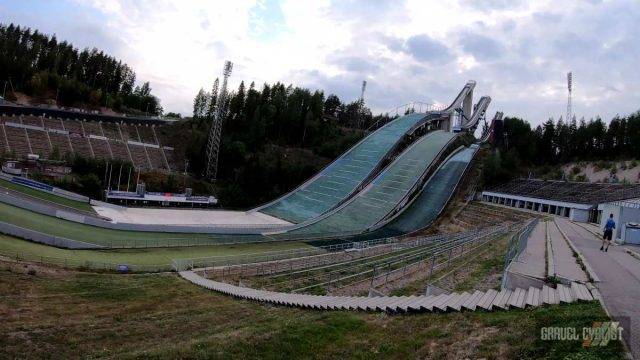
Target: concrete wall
<point>579,215</point>
<point>13,230</point>
<point>514,280</point>
<point>621,215</point>
<point>577,212</point>
<point>44,209</point>
<point>56,191</point>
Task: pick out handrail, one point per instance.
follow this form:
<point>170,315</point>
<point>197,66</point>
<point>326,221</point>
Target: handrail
<point>351,198</point>
<point>416,188</point>
<point>317,175</point>
<point>480,110</point>
<point>471,84</point>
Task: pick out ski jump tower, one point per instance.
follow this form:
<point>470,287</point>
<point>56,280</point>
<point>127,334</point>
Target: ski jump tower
<point>460,109</point>
<point>215,133</point>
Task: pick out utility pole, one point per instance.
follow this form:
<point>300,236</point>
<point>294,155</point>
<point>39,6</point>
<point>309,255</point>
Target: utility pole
<point>215,132</point>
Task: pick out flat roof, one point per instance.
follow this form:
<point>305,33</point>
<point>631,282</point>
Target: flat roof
<point>161,197</point>
<point>567,191</point>
<point>13,109</point>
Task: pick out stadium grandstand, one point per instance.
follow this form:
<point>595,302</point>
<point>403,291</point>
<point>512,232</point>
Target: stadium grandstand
<point>576,200</point>
<point>32,131</point>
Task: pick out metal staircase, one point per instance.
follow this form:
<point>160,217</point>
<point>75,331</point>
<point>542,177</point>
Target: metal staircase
<point>478,300</point>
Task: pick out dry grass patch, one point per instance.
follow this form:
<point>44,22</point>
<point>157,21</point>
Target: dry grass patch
<point>73,314</point>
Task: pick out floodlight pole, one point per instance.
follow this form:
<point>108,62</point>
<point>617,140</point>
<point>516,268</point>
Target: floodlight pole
<point>215,132</point>
<point>570,89</point>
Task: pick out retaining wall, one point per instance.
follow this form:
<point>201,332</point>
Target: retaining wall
<point>41,238</point>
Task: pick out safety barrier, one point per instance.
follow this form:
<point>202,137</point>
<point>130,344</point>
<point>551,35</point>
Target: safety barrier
<point>41,238</point>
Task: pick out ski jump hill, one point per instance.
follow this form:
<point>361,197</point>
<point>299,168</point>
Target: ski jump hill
<point>395,181</point>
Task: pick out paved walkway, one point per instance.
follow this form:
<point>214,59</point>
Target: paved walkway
<point>531,261</point>
<point>565,263</point>
<point>619,275</point>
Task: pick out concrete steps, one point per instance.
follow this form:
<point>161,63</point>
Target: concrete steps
<point>478,300</point>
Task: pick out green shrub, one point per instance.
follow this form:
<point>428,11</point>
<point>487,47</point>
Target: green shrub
<point>581,178</point>
<point>575,170</point>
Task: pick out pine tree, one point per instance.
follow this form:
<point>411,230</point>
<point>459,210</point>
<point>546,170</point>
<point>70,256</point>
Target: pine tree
<point>213,98</point>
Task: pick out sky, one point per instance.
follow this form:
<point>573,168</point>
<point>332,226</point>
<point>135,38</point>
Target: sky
<point>517,51</point>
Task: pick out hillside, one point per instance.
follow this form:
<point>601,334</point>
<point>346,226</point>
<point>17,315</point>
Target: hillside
<point>38,69</point>
<point>603,171</point>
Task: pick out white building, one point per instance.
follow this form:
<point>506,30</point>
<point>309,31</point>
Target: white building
<point>582,202</point>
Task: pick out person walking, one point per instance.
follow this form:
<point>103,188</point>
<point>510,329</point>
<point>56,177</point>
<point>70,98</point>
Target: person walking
<point>608,233</point>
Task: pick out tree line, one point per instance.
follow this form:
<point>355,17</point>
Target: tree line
<point>521,147</point>
<point>273,138</point>
<point>40,66</point>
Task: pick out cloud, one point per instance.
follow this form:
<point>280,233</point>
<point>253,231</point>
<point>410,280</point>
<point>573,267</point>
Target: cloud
<point>480,46</point>
<point>407,50</point>
<point>423,48</point>
<point>356,64</point>
<point>492,5</point>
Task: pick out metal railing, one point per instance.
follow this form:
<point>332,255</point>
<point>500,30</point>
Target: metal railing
<point>221,261</point>
<point>516,245</point>
<point>78,263</point>
<point>339,269</point>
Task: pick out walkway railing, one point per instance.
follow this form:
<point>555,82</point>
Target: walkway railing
<point>517,244</point>
<point>221,261</point>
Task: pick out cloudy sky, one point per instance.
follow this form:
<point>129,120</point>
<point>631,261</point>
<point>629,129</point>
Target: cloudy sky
<point>414,50</point>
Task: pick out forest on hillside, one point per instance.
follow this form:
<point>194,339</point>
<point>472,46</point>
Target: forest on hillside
<point>273,138</point>
<point>44,68</point>
<point>523,148</point>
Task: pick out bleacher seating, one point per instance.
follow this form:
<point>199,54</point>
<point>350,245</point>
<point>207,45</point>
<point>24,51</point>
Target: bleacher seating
<point>111,131</point>
<point>124,131</point>
<point>574,192</point>
<point>100,148</point>
<point>39,143</point>
<point>146,134</point>
<point>157,161</point>
<point>4,147</point>
<point>32,120</point>
<point>51,133</point>
<point>18,141</point>
<point>50,123</point>
<point>73,126</point>
<point>92,128</point>
<point>81,145</point>
<point>139,156</point>
<point>61,142</point>
<point>119,150</point>
<point>175,163</point>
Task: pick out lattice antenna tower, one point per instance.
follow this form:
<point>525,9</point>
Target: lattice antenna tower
<point>215,133</point>
<point>570,89</point>
<point>364,87</point>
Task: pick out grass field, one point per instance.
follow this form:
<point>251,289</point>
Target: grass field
<point>46,196</point>
<point>60,314</point>
<point>108,237</point>
<point>146,258</point>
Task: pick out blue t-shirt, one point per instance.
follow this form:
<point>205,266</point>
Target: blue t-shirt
<point>610,225</point>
